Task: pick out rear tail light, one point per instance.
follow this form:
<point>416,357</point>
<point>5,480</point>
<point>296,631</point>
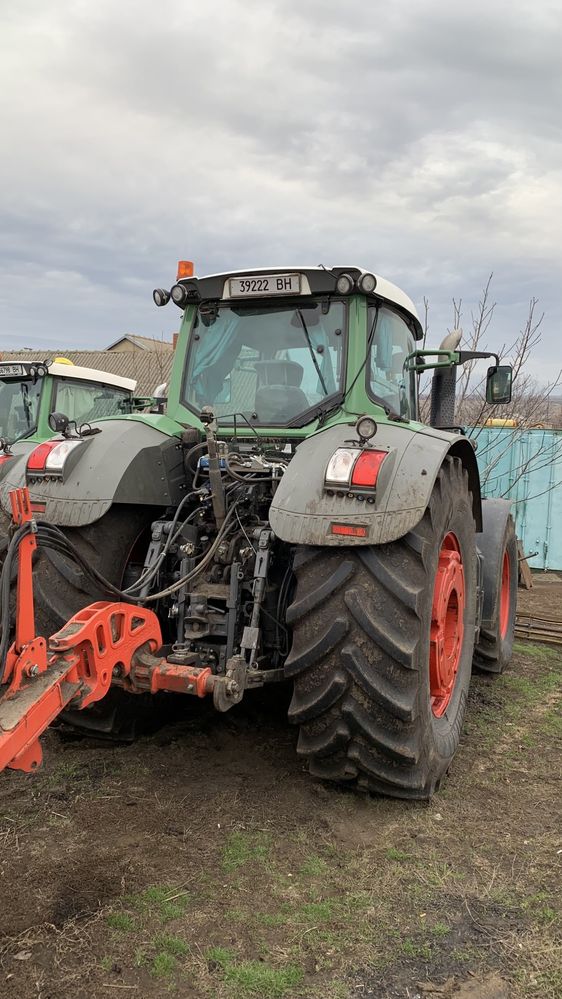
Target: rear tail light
<point>49,458</point>
<point>354,468</point>
<point>38,457</point>
<point>366,468</point>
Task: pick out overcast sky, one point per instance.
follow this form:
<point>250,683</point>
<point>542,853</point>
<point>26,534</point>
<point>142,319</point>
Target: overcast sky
<point>421,140</point>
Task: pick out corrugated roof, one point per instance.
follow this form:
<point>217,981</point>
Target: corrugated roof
<point>149,367</point>
<point>143,342</point>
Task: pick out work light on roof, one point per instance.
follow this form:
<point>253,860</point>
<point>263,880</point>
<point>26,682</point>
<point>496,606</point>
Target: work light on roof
<point>179,295</point>
<point>344,284</point>
<point>160,296</point>
<point>367,283</point>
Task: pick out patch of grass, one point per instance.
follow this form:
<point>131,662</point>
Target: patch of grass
<point>167,903</point>
<point>538,907</point>
<point>163,964</point>
<point>317,912</point>
<point>551,724</point>
<point>106,963</point>
<point>314,867</point>
<point>413,949</point>
<point>236,916</point>
<point>254,978</point>
<point>393,854</point>
<point>243,847</point>
<point>465,955</point>
<point>272,918</point>
<point>440,930</point>
<point>171,945</point>
<point>120,921</point>
<point>537,651</point>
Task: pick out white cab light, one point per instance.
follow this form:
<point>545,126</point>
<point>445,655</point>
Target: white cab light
<point>367,283</point>
<point>344,284</point>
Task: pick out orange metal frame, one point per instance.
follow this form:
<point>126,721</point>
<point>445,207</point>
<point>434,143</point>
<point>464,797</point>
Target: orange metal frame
<point>103,643</point>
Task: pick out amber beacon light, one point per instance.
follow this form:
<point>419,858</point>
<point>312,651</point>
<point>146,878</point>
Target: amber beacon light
<point>185,269</point>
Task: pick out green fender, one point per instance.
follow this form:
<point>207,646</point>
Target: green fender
<point>130,461</point>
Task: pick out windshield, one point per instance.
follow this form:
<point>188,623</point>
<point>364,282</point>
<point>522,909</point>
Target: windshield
<point>270,363</point>
<point>387,379</point>
<point>19,406</point>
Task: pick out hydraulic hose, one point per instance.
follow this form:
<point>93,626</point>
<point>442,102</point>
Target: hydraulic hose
<point>5,594</point>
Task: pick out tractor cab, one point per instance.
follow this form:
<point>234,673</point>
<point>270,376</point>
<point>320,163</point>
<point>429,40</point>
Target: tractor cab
<point>30,391</point>
<point>282,349</point>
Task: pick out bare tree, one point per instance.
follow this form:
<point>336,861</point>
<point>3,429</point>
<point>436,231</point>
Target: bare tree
<point>532,405</point>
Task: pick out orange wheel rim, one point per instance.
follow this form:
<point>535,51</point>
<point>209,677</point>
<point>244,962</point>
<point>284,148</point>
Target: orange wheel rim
<point>505,595</point>
<point>447,625</point>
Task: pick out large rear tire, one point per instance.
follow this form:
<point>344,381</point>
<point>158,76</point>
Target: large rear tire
<point>383,639</point>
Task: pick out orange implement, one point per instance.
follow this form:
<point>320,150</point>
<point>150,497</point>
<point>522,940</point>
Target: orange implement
<point>104,643</point>
<point>78,667</point>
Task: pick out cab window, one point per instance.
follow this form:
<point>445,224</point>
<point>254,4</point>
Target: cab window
<point>19,408</point>
<point>83,402</point>
<point>388,381</point>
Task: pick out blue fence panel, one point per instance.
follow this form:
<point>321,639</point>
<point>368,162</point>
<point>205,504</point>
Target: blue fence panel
<point>525,466</point>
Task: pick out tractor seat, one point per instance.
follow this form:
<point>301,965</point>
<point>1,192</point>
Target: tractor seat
<point>278,396</point>
<point>280,403</point>
<point>279,373</point>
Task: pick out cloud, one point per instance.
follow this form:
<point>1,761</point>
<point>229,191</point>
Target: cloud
<point>421,140</point>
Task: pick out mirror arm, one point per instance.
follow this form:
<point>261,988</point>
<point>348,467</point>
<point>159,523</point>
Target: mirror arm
<point>472,355</point>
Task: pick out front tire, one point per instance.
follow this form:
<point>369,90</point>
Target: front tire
<point>383,639</point>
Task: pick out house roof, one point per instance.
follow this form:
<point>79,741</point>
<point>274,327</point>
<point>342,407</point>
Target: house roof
<point>143,342</point>
<point>148,367</point>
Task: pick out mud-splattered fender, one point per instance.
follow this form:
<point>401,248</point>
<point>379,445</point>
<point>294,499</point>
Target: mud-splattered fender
<point>302,511</point>
<point>128,462</point>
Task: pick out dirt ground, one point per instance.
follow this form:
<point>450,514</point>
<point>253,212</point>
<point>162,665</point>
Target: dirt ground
<point>202,861</point>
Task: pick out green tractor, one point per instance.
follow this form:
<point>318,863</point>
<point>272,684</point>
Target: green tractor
<point>32,390</point>
<point>288,519</point>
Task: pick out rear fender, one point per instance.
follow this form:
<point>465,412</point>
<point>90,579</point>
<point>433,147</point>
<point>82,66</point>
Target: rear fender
<point>128,462</point>
<point>302,511</point>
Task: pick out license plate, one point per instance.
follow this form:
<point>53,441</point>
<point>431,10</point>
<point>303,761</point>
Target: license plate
<point>11,370</point>
<point>259,285</point>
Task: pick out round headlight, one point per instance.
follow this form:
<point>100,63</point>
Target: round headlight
<point>366,427</point>
<point>160,296</point>
<point>179,295</point>
<point>344,284</point>
<point>367,283</point>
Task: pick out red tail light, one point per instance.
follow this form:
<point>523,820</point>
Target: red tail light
<point>38,457</point>
<point>367,467</point>
<point>50,457</point>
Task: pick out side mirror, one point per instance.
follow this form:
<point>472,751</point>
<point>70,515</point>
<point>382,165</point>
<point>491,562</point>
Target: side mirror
<point>498,385</point>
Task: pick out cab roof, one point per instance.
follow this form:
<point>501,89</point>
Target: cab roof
<point>318,280</point>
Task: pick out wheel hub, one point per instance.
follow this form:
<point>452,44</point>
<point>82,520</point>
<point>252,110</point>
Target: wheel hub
<point>447,625</point>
